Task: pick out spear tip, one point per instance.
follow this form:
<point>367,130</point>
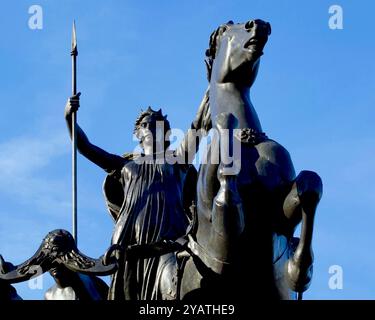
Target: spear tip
<point>74,39</point>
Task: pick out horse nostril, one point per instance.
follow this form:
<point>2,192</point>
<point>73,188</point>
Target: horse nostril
<point>249,24</point>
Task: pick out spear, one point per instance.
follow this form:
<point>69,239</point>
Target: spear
<point>74,54</point>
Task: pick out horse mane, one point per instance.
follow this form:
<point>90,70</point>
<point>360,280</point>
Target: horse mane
<point>211,51</point>
<point>209,60</point>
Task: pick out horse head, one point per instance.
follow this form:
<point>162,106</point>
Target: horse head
<point>232,62</point>
<point>234,51</point>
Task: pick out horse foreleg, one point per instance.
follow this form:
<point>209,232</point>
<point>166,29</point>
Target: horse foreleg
<point>227,216</point>
<point>301,203</point>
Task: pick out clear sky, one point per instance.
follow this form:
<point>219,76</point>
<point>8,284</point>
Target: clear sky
<point>314,94</point>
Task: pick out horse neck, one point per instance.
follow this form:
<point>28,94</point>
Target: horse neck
<point>229,97</point>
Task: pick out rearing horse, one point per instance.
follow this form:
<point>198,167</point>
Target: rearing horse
<point>246,220</point>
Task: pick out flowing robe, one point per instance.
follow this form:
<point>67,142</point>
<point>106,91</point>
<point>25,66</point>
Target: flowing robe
<point>147,204</point>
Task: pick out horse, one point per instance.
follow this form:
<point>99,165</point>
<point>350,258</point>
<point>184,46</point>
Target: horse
<point>244,244</point>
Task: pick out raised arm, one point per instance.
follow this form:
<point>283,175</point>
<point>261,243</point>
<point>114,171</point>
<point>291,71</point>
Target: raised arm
<point>199,127</point>
<point>100,157</point>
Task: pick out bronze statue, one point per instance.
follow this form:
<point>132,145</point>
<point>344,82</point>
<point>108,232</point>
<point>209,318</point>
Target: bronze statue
<point>148,198</point>
<point>224,233</point>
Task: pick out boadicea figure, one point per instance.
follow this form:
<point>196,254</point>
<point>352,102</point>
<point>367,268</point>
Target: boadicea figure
<point>244,247</point>
<point>149,200</point>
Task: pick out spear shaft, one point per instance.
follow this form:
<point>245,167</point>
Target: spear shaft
<point>74,54</point>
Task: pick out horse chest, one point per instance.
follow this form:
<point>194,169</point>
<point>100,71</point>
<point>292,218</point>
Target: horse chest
<point>266,165</point>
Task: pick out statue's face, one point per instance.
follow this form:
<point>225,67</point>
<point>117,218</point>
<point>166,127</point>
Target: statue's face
<point>150,132</point>
<point>238,51</point>
<point>61,275</point>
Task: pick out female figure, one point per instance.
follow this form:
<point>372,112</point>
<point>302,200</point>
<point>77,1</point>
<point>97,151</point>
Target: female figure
<point>147,198</point>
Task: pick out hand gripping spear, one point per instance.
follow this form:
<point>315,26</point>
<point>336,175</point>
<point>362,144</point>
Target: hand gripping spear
<point>74,54</point>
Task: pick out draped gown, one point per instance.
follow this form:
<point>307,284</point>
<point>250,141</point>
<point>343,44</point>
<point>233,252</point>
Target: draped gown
<point>147,204</point>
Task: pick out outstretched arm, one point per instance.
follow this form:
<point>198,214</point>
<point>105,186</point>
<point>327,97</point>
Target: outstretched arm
<point>100,157</point>
<point>199,127</point>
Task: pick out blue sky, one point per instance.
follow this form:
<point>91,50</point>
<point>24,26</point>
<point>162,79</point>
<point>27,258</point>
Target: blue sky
<point>314,94</point>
